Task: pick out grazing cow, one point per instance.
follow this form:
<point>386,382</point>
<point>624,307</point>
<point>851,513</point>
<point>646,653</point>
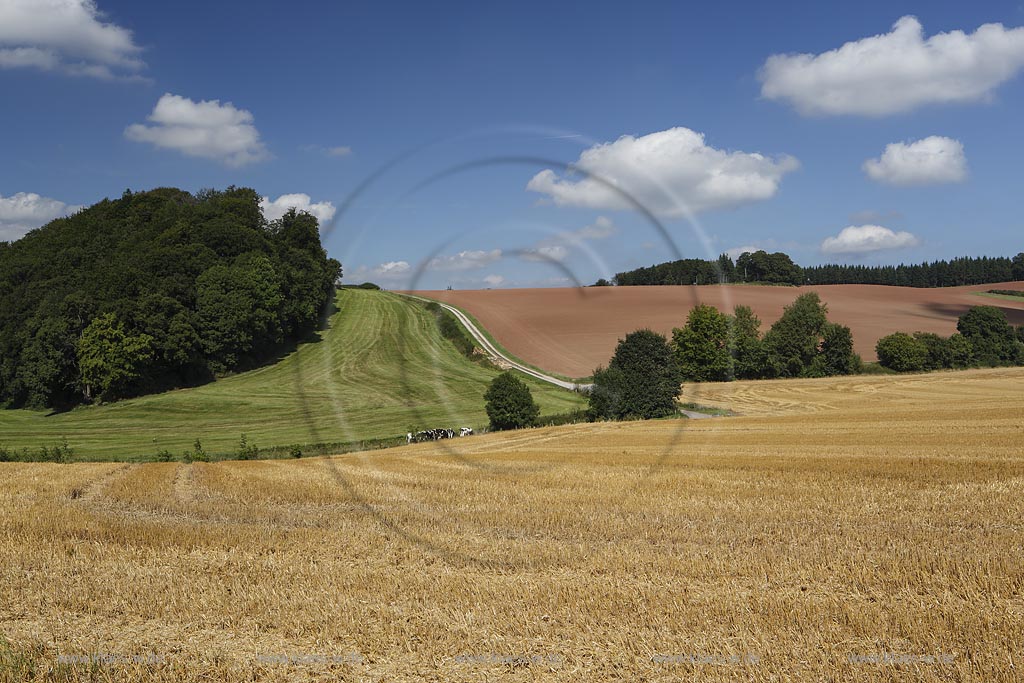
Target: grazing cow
<point>430,435</point>
<point>466,431</point>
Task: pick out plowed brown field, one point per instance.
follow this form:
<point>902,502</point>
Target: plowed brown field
<point>572,330</point>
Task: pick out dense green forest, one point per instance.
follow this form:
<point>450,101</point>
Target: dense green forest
<point>779,268</point>
<point>152,291</point>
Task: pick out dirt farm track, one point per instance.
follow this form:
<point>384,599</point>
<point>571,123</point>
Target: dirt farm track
<point>573,330</point>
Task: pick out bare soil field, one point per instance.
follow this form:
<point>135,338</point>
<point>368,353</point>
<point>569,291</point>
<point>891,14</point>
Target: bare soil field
<point>854,529</point>
<point>572,330</point>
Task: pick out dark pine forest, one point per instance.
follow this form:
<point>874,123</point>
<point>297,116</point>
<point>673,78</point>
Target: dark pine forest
<point>779,268</point>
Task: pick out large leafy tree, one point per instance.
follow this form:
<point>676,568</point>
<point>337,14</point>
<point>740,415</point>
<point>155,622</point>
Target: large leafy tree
<point>509,403</point>
<point>109,359</point>
<point>793,342</point>
<point>992,337</point>
<point>836,356</point>
<point>238,310</point>
<point>642,379</point>
<point>701,347</point>
<point>745,344</point>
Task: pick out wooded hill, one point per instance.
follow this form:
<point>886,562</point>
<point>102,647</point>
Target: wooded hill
<point>152,291</point>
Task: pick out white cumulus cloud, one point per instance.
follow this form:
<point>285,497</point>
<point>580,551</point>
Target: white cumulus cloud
<point>464,260</point>
<point>554,252</point>
<point>343,151</point>
<point>25,211</point>
<point>392,268</point>
<point>66,35</point>
<point>668,172</point>
<point>556,247</point>
<point>601,228</point>
<point>865,239</point>
<point>736,252</point>
<point>272,210</point>
<point>206,129</point>
<point>494,280</point>
<point>896,71</point>
<point>930,161</point>
<point>390,272</point>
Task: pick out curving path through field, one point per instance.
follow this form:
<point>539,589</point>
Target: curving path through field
<point>486,344</point>
<point>481,339</point>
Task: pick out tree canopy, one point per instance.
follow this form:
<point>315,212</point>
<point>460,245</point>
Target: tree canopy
<point>642,380</point>
<point>154,290</point>
<point>510,404</point>
<point>779,268</point>
<point>702,345</point>
<point>993,339</point>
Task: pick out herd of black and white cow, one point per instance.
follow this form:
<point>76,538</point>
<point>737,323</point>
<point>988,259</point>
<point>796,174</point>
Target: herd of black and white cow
<point>436,434</point>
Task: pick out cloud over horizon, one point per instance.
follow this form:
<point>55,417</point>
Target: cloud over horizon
<point>68,36</point>
<point>272,210</point>
<point>464,260</point>
<point>896,72</point>
<point>26,211</point>
<point>205,129</point>
<point>866,239</point>
<point>931,161</point>
<point>671,173</point>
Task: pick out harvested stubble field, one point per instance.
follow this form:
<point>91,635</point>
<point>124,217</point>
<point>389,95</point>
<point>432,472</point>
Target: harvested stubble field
<point>573,330</point>
<point>859,529</point>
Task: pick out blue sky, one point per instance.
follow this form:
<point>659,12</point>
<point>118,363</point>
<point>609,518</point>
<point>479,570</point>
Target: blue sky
<point>903,147</point>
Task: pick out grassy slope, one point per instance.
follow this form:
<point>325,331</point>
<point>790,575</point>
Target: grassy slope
<point>508,354</point>
<point>1004,297</point>
<point>380,369</point>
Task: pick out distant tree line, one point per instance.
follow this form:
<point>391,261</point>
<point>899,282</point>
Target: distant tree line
<point>643,378</point>
<point>152,291</point>
<point>779,268</point>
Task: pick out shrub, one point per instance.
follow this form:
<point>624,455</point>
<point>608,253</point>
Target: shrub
<point>197,454</point>
<point>451,329</point>
<point>61,452</point>
<point>642,380</point>
<point>992,337</point>
<point>247,451</point>
<point>902,353</point>
<point>945,353</point>
<point>939,351</point>
<point>875,369</point>
<point>164,455</point>
<point>836,356</point>
<point>961,351</point>
<point>572,417</point>
<point>510,404</point>
<point>606,395</point>
<point>295,451</point>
